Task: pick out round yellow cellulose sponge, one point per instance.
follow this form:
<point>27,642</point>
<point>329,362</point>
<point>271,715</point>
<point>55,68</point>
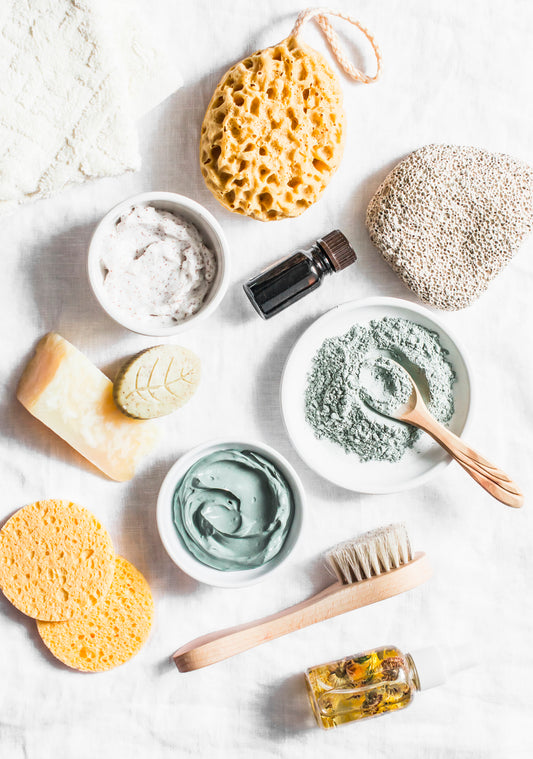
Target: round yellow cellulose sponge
<point>108,635</point>
<point>56,560</point>
<point>273,133</point>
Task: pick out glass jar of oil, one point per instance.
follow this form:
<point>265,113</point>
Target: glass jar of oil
<point>378,681</point>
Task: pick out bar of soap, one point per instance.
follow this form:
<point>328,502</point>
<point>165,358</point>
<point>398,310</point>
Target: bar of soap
<point>156,381</point>
<point>65,391</point>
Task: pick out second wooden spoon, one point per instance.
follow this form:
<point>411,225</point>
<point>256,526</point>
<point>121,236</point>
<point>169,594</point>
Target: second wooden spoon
<point>415,412</point>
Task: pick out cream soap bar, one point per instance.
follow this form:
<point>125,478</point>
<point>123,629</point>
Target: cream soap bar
<point>65,391</point>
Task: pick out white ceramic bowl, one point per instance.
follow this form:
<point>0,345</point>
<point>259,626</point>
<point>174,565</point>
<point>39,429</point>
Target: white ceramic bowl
<point>211,233</point>
<point>328,458</point>
<point>173,543</point>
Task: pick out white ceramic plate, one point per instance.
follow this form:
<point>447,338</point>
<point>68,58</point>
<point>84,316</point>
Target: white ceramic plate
<point>176,549</point>
<point>329,459</point>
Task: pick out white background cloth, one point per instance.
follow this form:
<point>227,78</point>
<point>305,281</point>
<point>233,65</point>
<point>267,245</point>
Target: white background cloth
<point>454,72</point>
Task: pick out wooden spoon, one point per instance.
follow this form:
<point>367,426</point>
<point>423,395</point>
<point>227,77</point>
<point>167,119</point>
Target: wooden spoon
<point>415,412</point>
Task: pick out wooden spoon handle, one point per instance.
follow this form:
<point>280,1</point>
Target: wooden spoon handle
<point>490,477</point>
<point>332,601</point>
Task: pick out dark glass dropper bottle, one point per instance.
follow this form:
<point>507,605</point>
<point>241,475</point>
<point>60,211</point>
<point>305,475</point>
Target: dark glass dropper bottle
<point>289,280</point>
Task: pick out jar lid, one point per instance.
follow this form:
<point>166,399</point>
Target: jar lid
<point>434,664</point>
<point>338,250</point>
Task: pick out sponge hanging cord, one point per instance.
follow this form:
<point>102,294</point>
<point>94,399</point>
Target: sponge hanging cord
<point>320,17</point>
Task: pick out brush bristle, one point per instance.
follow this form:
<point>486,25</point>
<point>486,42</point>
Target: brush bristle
<point>371,554</point>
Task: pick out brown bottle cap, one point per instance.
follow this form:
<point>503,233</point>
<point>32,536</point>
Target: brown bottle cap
<point>338,250</point>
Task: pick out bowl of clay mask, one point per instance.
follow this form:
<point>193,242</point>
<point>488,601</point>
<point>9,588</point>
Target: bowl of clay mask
<point>158,263</point>
<point>339,435</point>
<point>229,513</point>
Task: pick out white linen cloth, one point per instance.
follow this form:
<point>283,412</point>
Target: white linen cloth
<point>454,72</point>
<point>73,76</point>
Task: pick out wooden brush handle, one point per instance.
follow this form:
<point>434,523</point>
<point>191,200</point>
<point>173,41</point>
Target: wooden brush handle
<point>495,482</point>
<point>332,601</point>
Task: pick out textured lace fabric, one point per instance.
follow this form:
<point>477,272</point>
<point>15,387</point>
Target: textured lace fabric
<point>63,113</point>
<point>74,76</point>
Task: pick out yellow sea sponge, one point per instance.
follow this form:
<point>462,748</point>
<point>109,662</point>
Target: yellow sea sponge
<point>104,637</point>
<point>273,133</point>
<point>56,560</point>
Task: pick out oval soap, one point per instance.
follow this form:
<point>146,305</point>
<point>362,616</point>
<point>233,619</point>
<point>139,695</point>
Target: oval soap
<point>156,381</point>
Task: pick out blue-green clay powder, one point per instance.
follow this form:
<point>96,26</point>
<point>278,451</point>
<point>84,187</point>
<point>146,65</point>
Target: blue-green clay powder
<point>351,372</point>
<point>233,510</point>
<point>384,385</point>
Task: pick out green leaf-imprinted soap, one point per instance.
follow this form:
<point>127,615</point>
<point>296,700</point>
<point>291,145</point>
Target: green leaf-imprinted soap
<point>156,381</point>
